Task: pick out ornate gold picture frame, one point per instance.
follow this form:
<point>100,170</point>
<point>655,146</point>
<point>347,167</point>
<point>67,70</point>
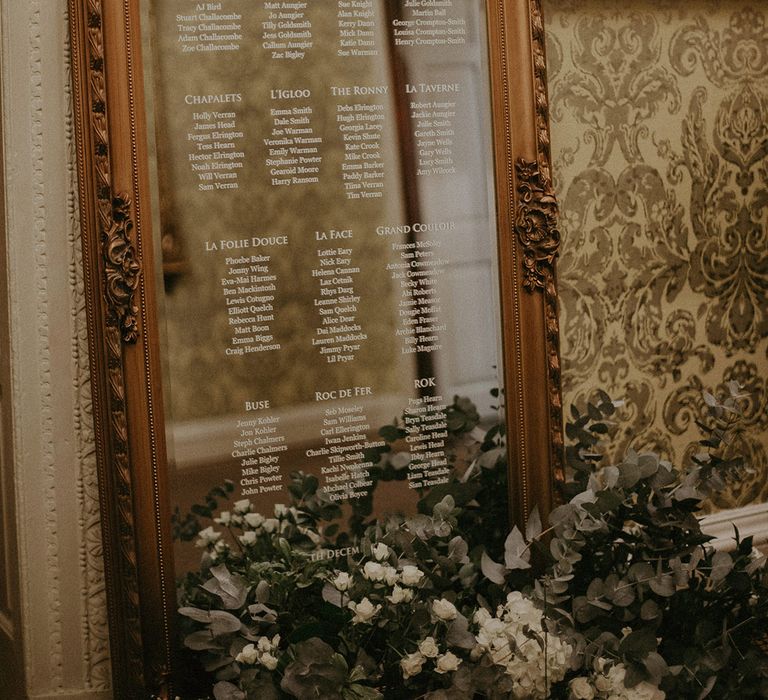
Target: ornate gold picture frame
<point>115,169</point>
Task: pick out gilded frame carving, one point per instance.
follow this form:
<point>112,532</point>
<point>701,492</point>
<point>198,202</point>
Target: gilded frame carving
<point>121,307</point>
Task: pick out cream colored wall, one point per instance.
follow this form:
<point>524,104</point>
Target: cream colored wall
<point>59,618</point>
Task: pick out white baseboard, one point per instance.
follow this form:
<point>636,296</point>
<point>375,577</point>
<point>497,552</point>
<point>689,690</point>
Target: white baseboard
<point>750,521</point>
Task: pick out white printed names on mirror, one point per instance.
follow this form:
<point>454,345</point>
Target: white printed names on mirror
<point>259,448</point>
<point>287,31</point>
<point>315,161</point>
<point>209,27</point>
<point>215,141</point>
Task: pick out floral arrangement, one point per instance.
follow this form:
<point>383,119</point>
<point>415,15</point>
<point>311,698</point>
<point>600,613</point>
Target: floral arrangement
<point>619,598</point>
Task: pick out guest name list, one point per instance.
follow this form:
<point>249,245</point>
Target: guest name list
<point>263,128</point>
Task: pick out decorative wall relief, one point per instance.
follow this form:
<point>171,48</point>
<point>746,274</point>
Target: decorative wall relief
<point>660,159</point>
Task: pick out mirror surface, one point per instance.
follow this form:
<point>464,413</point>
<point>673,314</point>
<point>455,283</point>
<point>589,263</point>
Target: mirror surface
<point>327,236</point>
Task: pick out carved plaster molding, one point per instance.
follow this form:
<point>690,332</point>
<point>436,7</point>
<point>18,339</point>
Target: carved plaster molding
<point>122,271</point>
<point>43,332</point>
<point>93,596</point>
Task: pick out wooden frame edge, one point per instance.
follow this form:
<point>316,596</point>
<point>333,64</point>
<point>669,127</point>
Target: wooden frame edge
<point>528,248</point>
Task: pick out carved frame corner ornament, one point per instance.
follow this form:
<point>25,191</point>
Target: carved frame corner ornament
<point>536,224</point>
<point>122,269</point>
<point>122,265</point>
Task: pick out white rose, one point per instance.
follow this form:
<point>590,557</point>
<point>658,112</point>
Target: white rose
<point>207,536</point>
<point>411,664</point>
<point>268,661</point>
<point>380,551</point>
<point>254,520</point>
<point>444,609</point>
<point>581,689</point>
<point>411,575</point>
<point>271,524</point>
<point>481,616</point>
<point>265,644</point>
<point>615,676</point>
<point>281,511</point>
<point>242,506</point>
<point>248,538</point>
<point>391,577</point>
<point>373,571</point>
<point>225,518</point>
<point>364,611</point>
<point>602,684</point>
<point>428,647</point>
<point>248,655</point>
<point>400,595</point>
<point>341,581</point>
<point>447,662</point>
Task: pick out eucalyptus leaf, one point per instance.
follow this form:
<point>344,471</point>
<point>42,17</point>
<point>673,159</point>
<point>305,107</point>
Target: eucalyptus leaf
<point>224,690</point>
<point>202,640</point>
<point>533,527</point>
<point>459,634</point>
<point>332,595</point>
<point>516,552</point>
<point>491,570</point>
<point>663,585</point>
<point>722,565</point>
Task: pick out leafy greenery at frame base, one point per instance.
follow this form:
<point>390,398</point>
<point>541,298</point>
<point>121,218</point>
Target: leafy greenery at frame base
<point>619,598</point>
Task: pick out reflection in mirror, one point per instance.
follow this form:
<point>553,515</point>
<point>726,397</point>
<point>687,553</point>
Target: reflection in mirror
<point>658,135</point>
<point>327,222</point>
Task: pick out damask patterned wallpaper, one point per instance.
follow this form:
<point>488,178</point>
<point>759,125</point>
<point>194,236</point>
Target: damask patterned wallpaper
<point>660,155</point>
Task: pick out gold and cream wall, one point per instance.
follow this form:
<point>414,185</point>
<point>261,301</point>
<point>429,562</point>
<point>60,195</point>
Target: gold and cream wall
<point>660,147</point>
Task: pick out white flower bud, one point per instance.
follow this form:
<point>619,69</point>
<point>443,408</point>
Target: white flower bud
<point>411,664</point>
<point>243,506</point>
<point>380,551</point>
<point>447,663</point>
<point>271,525</point>
<point>254,520</point>
<point>248,655</point>
<point>248,538</point>
<point>341,581</point>
<point>411,575</point>
<point>581,689</point>
<point>373,571</point>
<point>225,518</point>
<point>268,661</point>
<point>207,536</point>
<point>428,647</point>
<point>400,595</point>
<point>364,611</point>
<point>444,609</point>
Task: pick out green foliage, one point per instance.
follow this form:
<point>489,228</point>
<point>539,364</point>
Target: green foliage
<point>622,597</point>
